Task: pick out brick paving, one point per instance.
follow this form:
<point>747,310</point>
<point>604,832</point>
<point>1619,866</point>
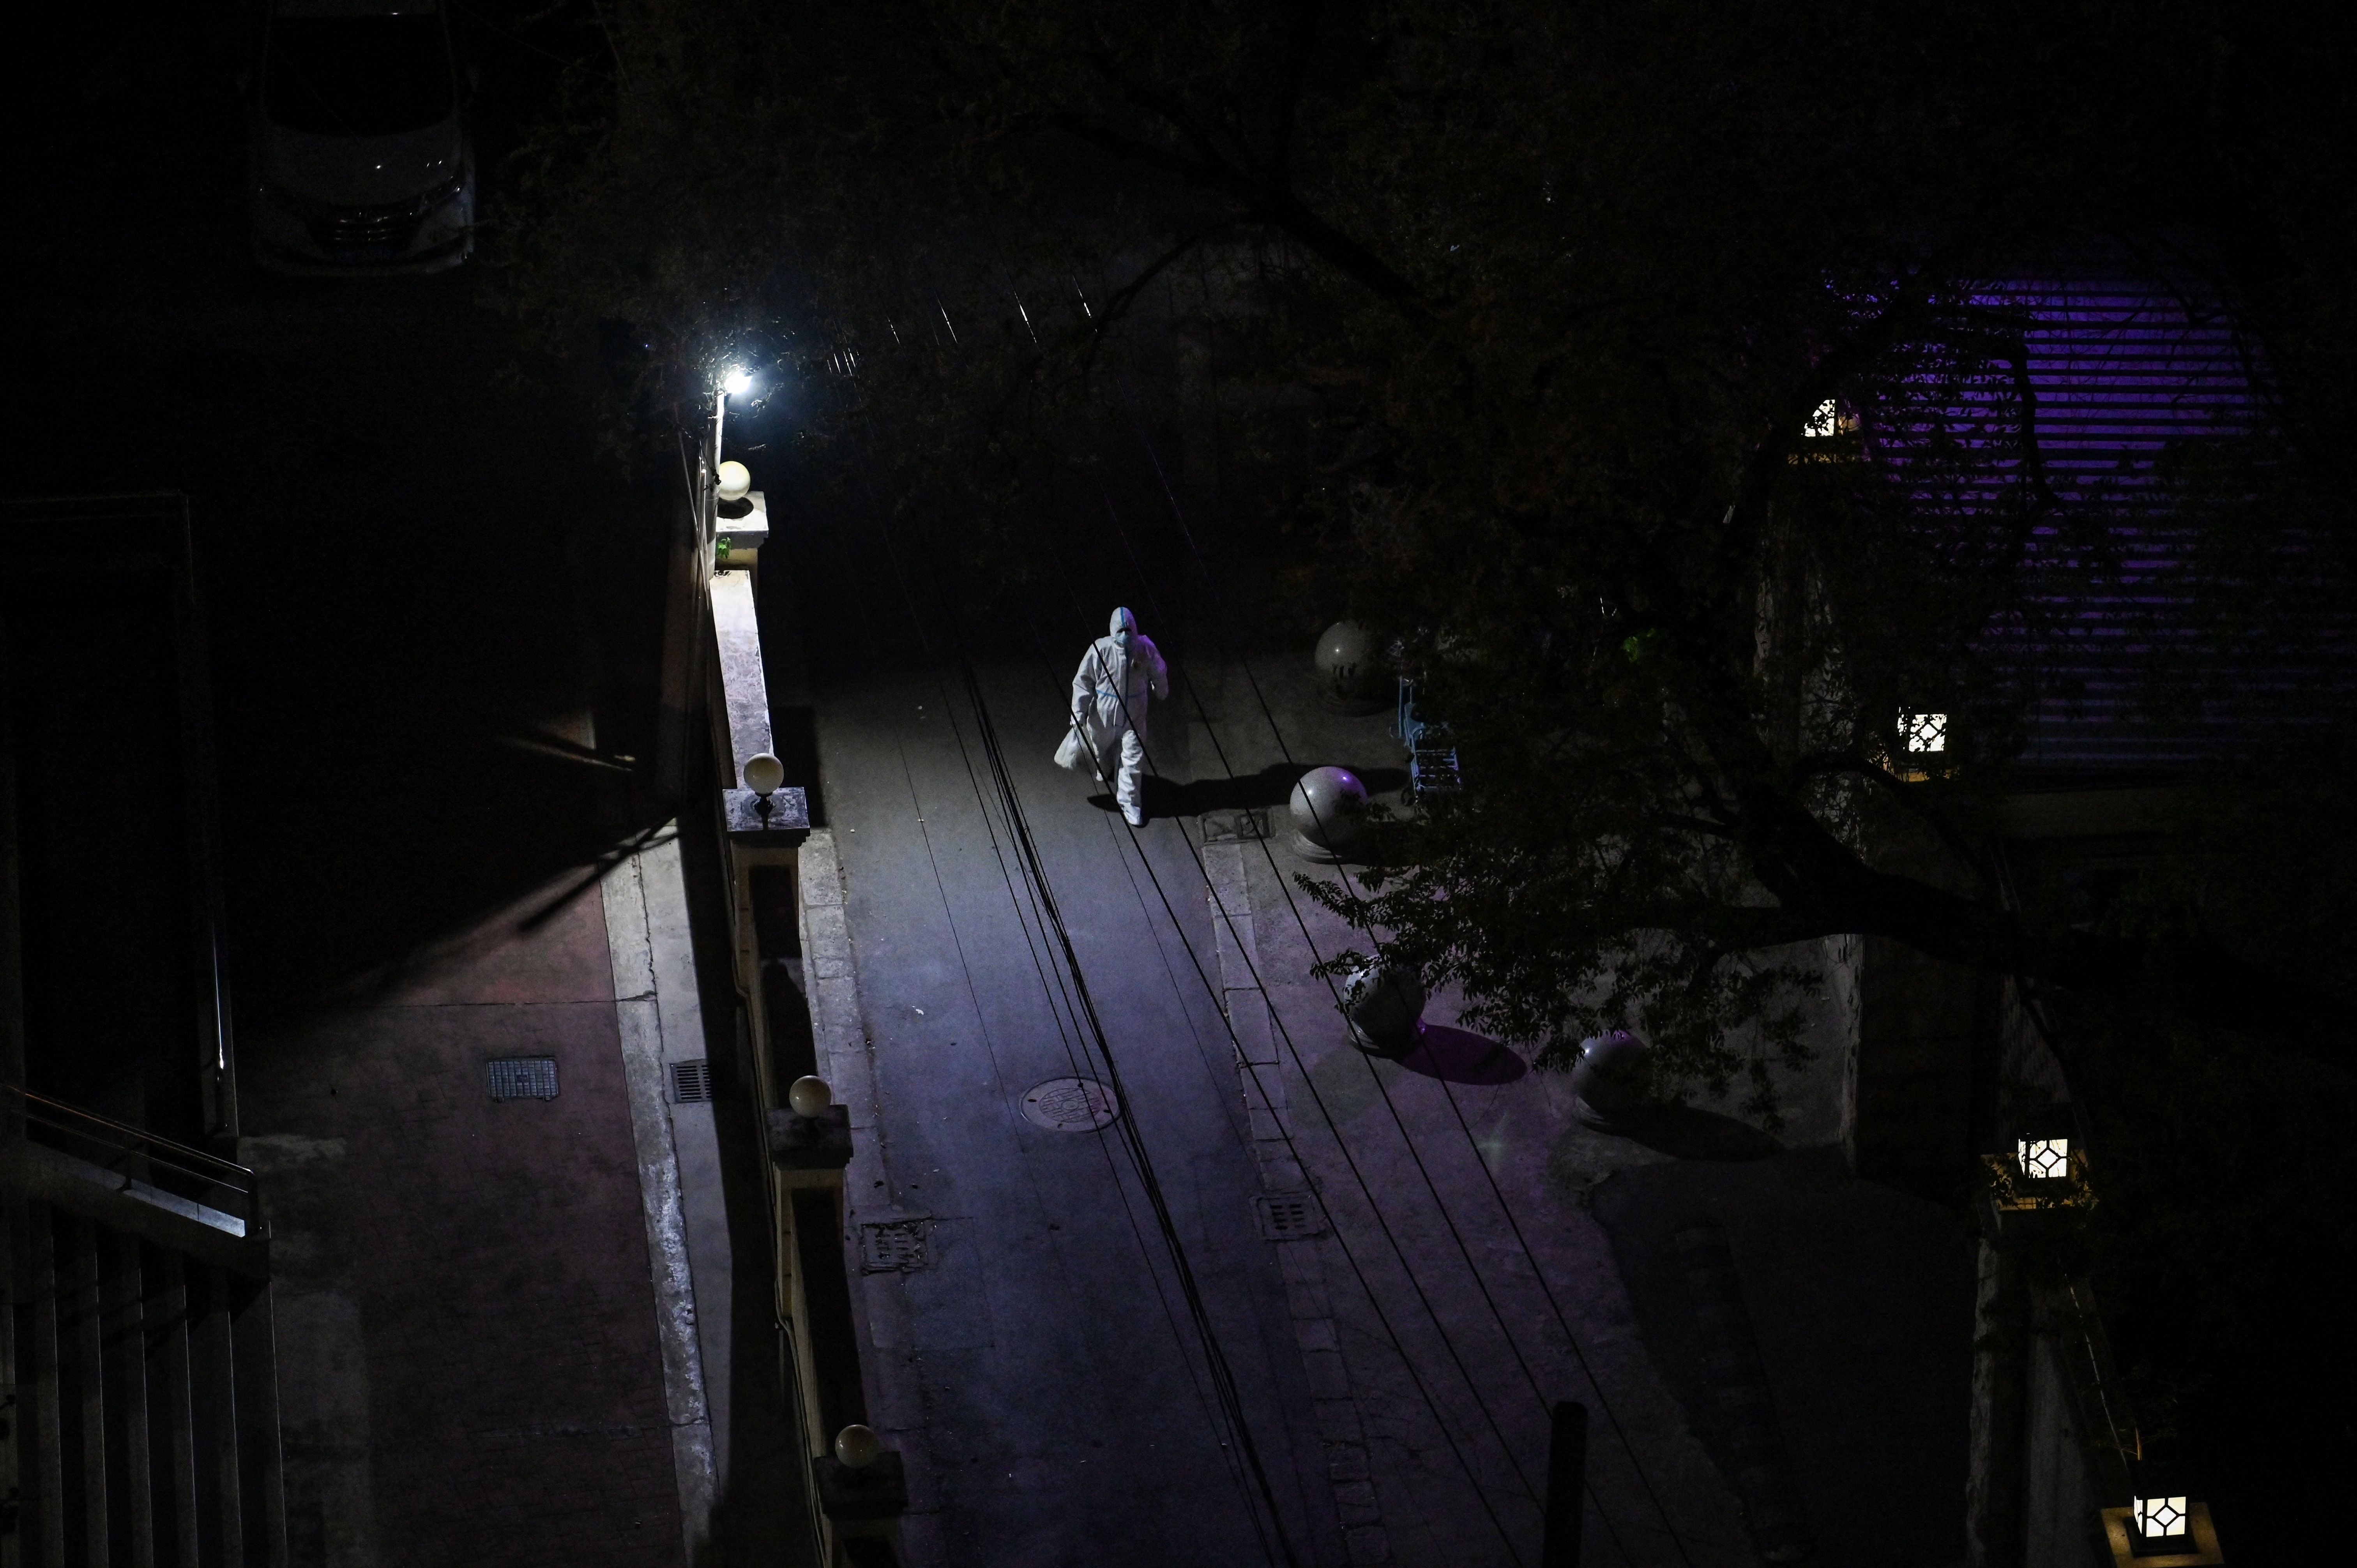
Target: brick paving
<point>514,1407</point>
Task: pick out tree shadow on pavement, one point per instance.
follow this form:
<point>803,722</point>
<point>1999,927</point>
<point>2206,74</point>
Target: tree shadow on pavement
<point>1861,1299</point>
<point>1456,1056</point>
<point>1689,1132</point>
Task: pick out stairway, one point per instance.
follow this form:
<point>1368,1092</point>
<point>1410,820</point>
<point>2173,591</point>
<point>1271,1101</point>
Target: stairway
<point>138,1418</point>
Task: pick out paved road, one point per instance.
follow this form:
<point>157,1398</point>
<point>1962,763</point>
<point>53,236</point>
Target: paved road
<point>1401,1390</point>
<point>1054,1381</point>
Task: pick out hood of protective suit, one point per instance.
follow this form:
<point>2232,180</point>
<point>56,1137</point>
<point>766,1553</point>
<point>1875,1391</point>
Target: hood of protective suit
<point>1124,624</point>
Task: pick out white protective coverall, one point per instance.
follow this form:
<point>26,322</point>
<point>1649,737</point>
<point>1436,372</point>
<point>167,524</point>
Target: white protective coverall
<point>1109,694</point>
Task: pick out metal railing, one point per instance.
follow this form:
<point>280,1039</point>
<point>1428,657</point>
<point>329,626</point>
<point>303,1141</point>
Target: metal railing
<point>2091,1380</point>
<point>1431,760</point>
<point>133,1153</point>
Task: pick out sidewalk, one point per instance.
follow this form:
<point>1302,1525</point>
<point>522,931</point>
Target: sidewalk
<point>1859,1297</point>
<point>519,1331</point>
<point>469,1369</point>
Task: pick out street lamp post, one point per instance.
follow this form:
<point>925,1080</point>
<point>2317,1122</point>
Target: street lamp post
<point>735,380</point>
<point>686,633</point>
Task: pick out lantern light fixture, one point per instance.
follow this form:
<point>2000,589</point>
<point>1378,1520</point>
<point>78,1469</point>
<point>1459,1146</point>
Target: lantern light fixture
<point>736,382</point>
<point>2164,1525</point>
<point>2160,1518</point>
<point>1926,735</point>
<point>2162,1529</point>
<point>2043,1159</point>
<point>2037,1171</point>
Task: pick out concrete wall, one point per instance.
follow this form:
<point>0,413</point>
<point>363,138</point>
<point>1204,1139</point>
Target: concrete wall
<point>2044,1460</point>
<point>1926,1033</point>
<point>1918,1025</point>
<point>2059,1504</point>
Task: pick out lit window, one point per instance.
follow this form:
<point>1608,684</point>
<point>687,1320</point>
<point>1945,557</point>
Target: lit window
<point>1826,421</point>
<point>1925,732</point>
<point>2045,1159</point>
<point>2159,1517</point>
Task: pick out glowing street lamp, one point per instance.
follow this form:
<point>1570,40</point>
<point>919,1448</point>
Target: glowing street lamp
<point>735,381</point>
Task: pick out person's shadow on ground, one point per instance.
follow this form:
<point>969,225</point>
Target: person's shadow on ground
<point>1271,787</point>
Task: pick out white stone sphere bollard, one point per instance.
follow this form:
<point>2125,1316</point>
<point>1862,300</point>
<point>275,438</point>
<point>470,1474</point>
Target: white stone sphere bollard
<point>1329,814</point>
<point>1384,1005</point>
<point>1612,1084</point>
<point>1350,674</point>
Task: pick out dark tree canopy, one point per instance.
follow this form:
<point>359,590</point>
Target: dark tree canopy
<point>1531,307</point>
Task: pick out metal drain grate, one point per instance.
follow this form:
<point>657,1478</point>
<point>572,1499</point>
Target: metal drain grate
<point>1288,1216</point>
<point>690,1082</point>
<point>892,1246</point>
<point>523,1077</point>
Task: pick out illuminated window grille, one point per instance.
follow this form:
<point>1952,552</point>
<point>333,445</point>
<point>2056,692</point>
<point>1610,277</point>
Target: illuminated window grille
<point>2046,1159</point>
<point>2158,1518</point>
<point>1826,421</point>
<point>1925,733</point>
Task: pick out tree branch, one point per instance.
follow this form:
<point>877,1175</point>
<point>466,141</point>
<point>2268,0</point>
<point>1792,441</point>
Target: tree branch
<point>1301,41</point>
<point>1117,304</point>
<point>1264,203</point>
<point>1694,825</point>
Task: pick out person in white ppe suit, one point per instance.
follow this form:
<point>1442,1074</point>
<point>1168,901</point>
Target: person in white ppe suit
<point>1109,694</point>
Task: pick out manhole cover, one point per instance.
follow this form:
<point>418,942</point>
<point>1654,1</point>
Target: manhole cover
<point>1071,1105</point>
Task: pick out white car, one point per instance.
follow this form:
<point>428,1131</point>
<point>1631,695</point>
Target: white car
<point>360,157</point>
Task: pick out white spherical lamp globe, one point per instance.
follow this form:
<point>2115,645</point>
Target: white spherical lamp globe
<point>857,1446</point>
<point>810,1096</point>
<point>737,380</point>
<point>763,773</point>
<point>735,479</point>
